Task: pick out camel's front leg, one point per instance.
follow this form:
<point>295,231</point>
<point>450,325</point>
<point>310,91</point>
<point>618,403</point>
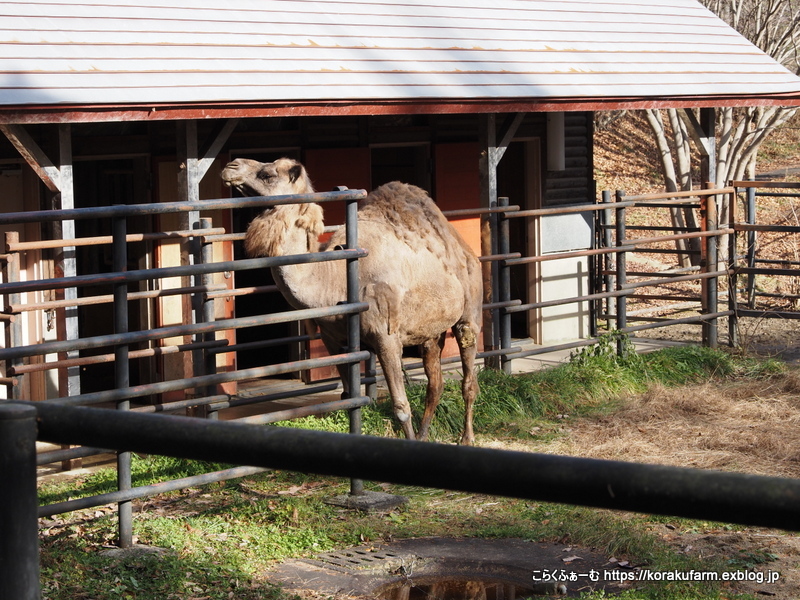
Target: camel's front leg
<point>390,352</point>
<point>432,362</point>
<point>334,347</point>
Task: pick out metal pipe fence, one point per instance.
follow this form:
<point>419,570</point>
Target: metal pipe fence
<point>684,492</point>
<point>757,266</point>
<point>201,328</point>
<point>613,285</point>
<point>613,281</point>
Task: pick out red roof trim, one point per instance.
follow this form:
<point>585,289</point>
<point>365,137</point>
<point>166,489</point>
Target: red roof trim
<point>102,113</point>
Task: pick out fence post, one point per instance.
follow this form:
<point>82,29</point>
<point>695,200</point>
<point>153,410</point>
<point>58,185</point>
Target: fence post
<point>733,275</point>
<point>621,259</point>
<point>122,372</point>
<point>19,524</point>
<point>353,327</point>
<point>504,281</point>
<point>607,237</point>
<point>491,321</point>
<point>206,360</point>
<point>710,329</point>
<point>751,247</point>
<point>14,329</point>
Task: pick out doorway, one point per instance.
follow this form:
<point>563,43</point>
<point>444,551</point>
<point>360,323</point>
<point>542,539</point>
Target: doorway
<point>519,177</point>
<point>106,183</point>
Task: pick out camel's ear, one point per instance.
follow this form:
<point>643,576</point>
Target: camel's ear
<point>295,172</point>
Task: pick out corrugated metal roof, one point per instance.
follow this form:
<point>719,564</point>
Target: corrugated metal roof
<point>94,52</point>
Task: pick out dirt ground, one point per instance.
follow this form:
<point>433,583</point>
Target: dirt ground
<point>749,427</point>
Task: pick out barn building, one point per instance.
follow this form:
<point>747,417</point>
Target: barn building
<point>104,103</point>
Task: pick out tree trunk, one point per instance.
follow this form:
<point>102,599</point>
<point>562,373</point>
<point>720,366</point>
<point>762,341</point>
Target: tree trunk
<point>682,219</point>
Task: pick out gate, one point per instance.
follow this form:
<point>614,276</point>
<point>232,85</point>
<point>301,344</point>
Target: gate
<point>784,270</point>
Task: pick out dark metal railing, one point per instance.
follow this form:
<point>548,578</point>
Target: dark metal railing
<point>754,264</point>
<point>204,379</point>
<point>610,282</point>
<point>692,493</point>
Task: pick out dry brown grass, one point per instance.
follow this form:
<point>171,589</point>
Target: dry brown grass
<point>751,427</point>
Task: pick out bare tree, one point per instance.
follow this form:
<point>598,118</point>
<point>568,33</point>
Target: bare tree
<point>773,26</point>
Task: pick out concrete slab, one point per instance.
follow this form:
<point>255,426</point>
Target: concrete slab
<point>368,501</point>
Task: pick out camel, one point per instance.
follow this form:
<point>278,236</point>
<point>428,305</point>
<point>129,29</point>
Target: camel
<point>420,279</point>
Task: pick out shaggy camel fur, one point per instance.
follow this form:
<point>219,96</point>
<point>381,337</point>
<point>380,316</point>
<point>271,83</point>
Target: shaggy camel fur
<point>420,278</point>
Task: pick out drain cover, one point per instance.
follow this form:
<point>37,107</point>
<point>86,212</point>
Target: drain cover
<point>369,570</point>
<point>357,558</point>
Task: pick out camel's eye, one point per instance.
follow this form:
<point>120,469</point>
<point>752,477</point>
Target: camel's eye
<point>266,175</point>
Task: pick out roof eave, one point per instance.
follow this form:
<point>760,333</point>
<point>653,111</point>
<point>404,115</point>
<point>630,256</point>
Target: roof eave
<point>66,113</point>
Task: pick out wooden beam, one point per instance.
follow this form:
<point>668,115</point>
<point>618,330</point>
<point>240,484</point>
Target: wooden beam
<point>703,134</point>
<point>697,131</point>
<point>211,149</point>
<point>708,163</point>
<point>507,133</point>
<point>488,159</point>
<point>33,155</point>
<point>189,177</point>
<point>68,257</point>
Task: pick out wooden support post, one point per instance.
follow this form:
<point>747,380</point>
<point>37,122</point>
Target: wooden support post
<point>58,180</point>
<point>492,152</point>
<point>708,161</point>
<point>703,133</point>
<point>72,380</point>
<point>488,183</point>
<point>194,163</point>
<point>189,190</point>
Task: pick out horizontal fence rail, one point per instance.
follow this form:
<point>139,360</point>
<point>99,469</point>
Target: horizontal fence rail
<point>691,493</point>
<point>164,208</point>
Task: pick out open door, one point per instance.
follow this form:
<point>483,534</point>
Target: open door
<point>457,186</point>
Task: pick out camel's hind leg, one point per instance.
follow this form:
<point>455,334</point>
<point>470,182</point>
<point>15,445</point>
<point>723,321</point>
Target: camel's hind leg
<point>467,337</point>
<point>432,362</point>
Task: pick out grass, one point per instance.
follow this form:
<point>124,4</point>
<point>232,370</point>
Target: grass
<point>594,380</point>
<point>219,538</point>
<point>144,471</point>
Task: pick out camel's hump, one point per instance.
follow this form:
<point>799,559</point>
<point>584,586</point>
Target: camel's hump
<point>413,217</point>
<point>405,206</point>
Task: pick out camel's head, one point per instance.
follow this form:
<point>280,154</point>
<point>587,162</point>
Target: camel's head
<point>282,229</point>
<point>285,176</point>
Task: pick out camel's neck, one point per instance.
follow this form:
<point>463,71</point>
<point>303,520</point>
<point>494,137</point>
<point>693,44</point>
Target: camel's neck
<point>312,285</point>
<point>309,285</point>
